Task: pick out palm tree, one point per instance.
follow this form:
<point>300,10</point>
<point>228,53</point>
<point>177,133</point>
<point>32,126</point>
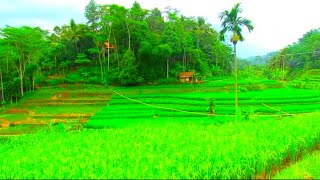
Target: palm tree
<point>74,32</point>
<point>231,21</point>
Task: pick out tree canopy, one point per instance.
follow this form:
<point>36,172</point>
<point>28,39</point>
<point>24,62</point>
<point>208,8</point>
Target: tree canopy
<point>299,56</point>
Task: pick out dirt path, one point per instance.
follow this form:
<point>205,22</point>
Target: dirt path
<point>287,162</point>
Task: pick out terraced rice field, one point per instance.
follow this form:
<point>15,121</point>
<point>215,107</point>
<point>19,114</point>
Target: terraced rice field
<point>189,103</point>
<point>311,78</point>
<point>53,105</point>
<point>166,131</point>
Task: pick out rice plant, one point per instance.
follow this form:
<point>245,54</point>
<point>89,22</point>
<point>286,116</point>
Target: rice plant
<point>175,150</point>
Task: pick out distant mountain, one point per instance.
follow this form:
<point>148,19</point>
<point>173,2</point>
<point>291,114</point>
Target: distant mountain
<point>260,60</point>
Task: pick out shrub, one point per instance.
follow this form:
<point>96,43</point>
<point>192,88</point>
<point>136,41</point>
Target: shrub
<point>94,80</point>
<point>73,78</point>
<point>297,83</point>
<point>129,72</point>
<point>242,89</point>
<point>168,80</point>
<point>40,79</point>
<point>55,82</point>
<point>255,87</point>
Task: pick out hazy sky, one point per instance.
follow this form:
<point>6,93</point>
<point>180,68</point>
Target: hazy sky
<point>277,23</point>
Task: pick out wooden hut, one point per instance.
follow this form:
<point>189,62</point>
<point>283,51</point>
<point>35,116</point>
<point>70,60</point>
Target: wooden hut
<point>186,77</point>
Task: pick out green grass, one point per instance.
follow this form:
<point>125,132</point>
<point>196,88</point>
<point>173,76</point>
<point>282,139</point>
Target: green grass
<point>307,168</point>
<point>163,150</point>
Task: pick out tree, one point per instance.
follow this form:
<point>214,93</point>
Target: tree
<point>55,48</point>
<point>1,80</point>
<point>26,44</point>
<point>92,14</point>
<point>138,27</point>
<point>74,32</point>
<point>163,52</point>
<point>172,37</point>
<point>231,21</point>
<point>293,59</point>
<point>155,21</point>
<point>129,72</point>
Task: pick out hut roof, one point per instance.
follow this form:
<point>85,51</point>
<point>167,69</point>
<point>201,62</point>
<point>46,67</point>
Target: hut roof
<point>186,74</point>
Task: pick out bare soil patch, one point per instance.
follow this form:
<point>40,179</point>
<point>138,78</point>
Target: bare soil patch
<point>16,111</point>
<point>64,116</point>
<point>63,85</point>
<point>88,94</point>
<point>60,95</point>
<point>4,123</point>
<point>56,76</point>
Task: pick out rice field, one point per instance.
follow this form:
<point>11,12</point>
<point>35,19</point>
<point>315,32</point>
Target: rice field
<point>308,168</point>
<point>53,104</point>
<point>131,105</point>
<point>167,132</point>
<point>170,150</point>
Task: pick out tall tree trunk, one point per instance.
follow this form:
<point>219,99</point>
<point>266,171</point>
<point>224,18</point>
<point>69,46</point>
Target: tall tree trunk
<point>21,78</point>
<point>116,51</point>
<point>2,91</point>
<point>7,64</point>
<point>104,59</point>
<point>108,58</point>
<point>167,68</point>
<point>33,85</point>
<point>109,48</point>
<point>75,44</point>
<point>129,36</point>
<point>283,69</point>
<point>101,67</point>
<point>21,85</point>
<point>236,79</point>
<point>184,60</point>
<point>30,77</point>
<point>55,61</point>
<point>216,61</point>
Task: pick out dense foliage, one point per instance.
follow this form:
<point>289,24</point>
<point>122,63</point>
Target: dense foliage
<point>296,58</point>
<point>154,44</point>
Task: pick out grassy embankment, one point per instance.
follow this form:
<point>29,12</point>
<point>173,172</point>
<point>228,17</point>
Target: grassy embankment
<point>307,168</point>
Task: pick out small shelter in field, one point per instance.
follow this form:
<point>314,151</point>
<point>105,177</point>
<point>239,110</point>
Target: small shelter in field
<point>186,77</point>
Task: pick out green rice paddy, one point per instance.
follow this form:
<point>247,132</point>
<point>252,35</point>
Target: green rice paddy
<point>126,106</point>
<point>167,150</point>
<point>308,168</point>
<point>166,131</point>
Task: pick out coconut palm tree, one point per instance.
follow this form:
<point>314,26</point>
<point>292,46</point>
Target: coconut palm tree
<point>231,21</point>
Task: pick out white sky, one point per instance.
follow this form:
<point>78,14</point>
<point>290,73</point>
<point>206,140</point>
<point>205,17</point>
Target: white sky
<point>277,23</point>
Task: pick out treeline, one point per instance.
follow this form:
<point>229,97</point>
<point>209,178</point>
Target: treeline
<point>296,58</point>
<point>116,45</point>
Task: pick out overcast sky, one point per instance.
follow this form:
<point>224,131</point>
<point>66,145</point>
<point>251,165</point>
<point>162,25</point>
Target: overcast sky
<point>277,23</point>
